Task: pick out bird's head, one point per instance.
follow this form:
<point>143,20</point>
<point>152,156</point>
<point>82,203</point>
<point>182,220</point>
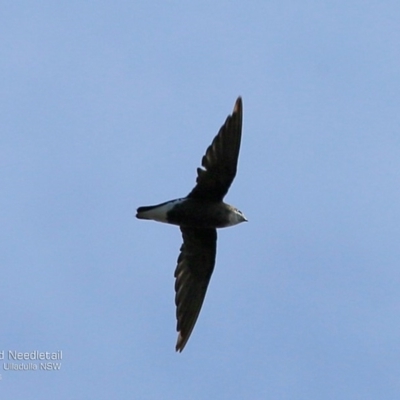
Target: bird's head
<point>236,217</point>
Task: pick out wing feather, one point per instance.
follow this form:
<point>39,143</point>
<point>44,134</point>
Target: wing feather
<point>220,160</point>
<point>195,265</point>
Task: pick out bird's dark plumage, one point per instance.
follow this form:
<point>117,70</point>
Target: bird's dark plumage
<point>220,160</point>
<point>198,215</point>
<point>193,272</point>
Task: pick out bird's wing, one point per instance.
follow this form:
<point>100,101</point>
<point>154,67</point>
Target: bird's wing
<point>192,275</point>
<point>220,160</point>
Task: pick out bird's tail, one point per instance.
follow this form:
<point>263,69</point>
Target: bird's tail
<point>158,212</point>
<point>142,212</point>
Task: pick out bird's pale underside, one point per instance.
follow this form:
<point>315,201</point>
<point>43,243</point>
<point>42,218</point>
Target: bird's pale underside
<point>198,215</point>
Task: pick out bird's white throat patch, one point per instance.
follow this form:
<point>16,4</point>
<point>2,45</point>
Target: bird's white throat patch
<point>159,213</point>
<point>235,217</point>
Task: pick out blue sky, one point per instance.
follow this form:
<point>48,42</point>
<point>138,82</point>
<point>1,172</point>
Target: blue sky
<point>107,106</point>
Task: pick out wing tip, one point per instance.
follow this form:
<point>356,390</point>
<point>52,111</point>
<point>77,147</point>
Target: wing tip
<point>181,343</point>
<point>238,105</point>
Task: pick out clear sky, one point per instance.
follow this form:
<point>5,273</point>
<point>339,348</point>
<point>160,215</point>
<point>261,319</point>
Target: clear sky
<point>110,105</point>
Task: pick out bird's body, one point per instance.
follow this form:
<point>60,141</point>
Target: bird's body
<point>199,215</point>
<point>192,213</point>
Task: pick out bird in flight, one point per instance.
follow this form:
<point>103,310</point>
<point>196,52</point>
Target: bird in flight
<point>198,215</point>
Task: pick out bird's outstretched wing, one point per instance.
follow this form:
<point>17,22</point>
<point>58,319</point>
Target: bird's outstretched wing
<point>220,160</point>
<point>193,272</point>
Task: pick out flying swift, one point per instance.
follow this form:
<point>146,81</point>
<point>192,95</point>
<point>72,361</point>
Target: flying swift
<point>198,215</point>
